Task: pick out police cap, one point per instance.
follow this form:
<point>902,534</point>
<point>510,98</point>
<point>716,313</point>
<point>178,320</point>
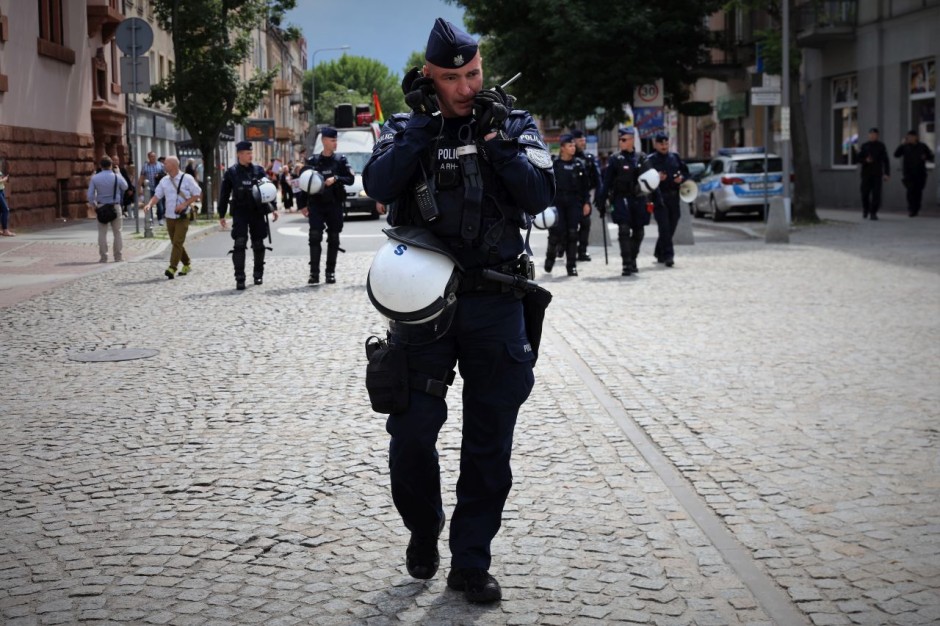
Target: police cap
<point>566,138</point>
<point>448,46</point>
<point>577,133</point>
<point>661,136</point>
<point>242,145</point>
<point>873,129</point>
<point>328,131</point>
<point>625,130</point>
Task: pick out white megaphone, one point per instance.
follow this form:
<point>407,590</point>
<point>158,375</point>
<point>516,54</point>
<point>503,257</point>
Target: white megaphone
<point>688,191</point>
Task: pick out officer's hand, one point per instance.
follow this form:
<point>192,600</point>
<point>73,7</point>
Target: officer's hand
<point>380,208</point>
<point>600,205</point>
<point>274,213</point>
<point>419,92</point>
<point>587,209</point>
<point>491,107</point>
<point>329,181</point>
<point>305,212</point>
<point>222,223</point>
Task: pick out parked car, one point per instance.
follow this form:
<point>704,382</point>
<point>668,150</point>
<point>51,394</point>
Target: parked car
<point>356,145</point>
<point>736,182</point>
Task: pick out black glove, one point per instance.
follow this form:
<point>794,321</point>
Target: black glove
<point>419,92</point>
<point>601,205</point>
<point>491,107</point>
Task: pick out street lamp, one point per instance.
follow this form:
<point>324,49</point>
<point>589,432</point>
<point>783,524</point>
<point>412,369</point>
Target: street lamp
<point>313,92</point>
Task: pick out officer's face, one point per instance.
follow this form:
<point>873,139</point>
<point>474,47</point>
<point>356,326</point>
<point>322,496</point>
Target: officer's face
<point>567,150</point>
<point>626,143</point>
<point>456,87</point>
<point>662,146</point>
<point>580,143</point>
<point>329,144</point>
<point>244,157</point>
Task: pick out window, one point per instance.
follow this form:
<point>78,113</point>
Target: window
<point>923,92</point>
<point>50,21</point>
<point>844,119</point>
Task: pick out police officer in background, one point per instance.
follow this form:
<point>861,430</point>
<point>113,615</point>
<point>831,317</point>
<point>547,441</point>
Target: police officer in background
<point>876,168</point>
<point>621,187</point>
<point>593,181</point>
<point>573,202</point>
<point>486,167</point>
<point>325,208</point>
<point>672,172</point>
<point>249,216</point>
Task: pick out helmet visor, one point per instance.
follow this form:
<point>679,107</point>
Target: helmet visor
<point>427,331</point>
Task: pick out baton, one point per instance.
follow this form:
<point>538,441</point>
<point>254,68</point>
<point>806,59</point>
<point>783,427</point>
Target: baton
<point>513,280</point>
<point>511,80</point>
<point>604,232</point>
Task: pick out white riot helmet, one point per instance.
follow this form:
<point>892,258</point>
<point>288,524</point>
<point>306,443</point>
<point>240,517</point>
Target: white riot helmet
<point>264,191</point>
<point>546,219</point>
<point>648,181</point>
<point>311,181</point>
<point>413,282</point>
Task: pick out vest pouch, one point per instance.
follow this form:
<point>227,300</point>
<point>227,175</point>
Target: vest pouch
<point>387,378</point>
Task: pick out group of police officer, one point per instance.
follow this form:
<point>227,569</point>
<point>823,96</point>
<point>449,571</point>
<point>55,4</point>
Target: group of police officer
<point>251,195</point>
<point>634,186</point>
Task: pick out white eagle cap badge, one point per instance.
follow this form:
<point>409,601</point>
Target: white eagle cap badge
<point>458,60</point>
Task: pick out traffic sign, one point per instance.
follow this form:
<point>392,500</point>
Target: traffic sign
<point>134,36</point>
<point>762,98</point>
<point>649,95</point>
<point>135,69</point>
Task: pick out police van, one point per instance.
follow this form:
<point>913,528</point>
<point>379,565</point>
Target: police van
<point>356,135</point>
<point>736,182</point>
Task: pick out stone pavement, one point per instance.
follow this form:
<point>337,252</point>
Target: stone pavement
<point>748,438</point>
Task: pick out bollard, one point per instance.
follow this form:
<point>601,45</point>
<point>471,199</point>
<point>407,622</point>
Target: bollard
<point>148,215</point>
<point>778,229</point>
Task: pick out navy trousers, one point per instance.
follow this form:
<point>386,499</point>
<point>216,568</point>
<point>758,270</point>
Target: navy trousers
<point>487,340</point>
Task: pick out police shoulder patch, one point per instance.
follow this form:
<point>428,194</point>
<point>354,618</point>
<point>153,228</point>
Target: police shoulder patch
<point>539,157</point>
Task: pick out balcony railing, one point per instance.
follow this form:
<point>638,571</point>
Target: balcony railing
<point>820,22</point>
<point>281,86</point>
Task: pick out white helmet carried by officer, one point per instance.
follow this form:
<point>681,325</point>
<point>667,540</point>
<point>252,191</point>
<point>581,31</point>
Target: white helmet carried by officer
<point>264,191</point>
<point>311,181</point>
<point>546,219</point>
<point>648,181</point>
<point>413,282</point>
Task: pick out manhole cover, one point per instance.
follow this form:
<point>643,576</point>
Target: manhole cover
<point>118,354</point>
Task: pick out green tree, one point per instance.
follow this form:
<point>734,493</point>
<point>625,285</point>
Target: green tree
<point>351,79</point>
<point>415,60</point>
<point>578,55</point>
<point>211,39</point>
<point>804,194</point>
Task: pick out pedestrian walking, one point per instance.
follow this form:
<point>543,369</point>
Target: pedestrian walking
<point>460,172</point>
<point>4,207</point>
<point>128,199</point>
<point>242,188</point>
<point>593,177</point>
<point>875,168</point>
<point>628,203</point>
<point>287,192</point>
<point>672,172</point>
<point>914,156</point>
<point>179,190</point>
<point>104,195</point>
<point>324,209</point>
<point>572,201</point>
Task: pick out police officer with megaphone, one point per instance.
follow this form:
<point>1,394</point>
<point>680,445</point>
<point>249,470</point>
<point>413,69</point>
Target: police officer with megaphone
<point>467,167</point>
<point>251,195</point>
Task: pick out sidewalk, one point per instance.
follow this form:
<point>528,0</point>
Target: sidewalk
<point>749,438</point>
<point>41,259</point>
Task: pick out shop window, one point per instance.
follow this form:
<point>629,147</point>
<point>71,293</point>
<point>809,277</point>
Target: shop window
<point>923,94</point>
<point>844,120</point>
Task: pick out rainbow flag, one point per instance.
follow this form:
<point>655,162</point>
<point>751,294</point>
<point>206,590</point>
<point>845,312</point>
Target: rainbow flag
<point>378,107</point>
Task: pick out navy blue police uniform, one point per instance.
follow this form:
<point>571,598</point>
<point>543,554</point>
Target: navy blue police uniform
<point>593,176</point>
<point>485,190</point>
<point>571,194</point>
<point>667,212</point>
<point>248,216</point>
<point>628,204</point>
<point>873,155</point>
<point>325,209</point>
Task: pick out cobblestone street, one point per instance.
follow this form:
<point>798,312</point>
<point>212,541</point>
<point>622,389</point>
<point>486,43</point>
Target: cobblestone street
<point>762,450</point>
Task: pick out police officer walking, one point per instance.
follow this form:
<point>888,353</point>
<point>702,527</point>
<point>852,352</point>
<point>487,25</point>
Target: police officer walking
<point>241,186</point>
<point>466,168</point>
<point>325,208</point>
<point>672,172</point>
<point>876,168</point>
<point>621,187</point>
<point>593,177</point>
<point>572,200</point>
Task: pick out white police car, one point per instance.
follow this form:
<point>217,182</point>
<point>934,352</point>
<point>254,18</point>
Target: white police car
<point>735,182</point>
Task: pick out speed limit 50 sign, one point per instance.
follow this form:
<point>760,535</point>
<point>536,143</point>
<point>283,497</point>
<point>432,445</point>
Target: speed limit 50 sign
<point>649,95</point>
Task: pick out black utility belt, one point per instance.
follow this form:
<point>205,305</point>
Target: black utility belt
<point>474,280</point>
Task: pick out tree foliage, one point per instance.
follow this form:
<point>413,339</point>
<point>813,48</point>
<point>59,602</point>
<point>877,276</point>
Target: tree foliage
<point>351,79</point>
<point>415,60</point>
<point>211,39</point>
<point>578,55</point>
